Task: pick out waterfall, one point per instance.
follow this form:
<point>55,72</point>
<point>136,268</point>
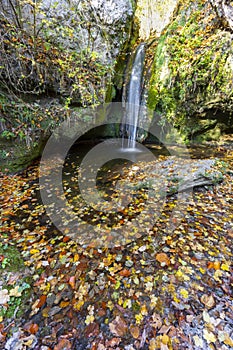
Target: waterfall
<point>133,100</point>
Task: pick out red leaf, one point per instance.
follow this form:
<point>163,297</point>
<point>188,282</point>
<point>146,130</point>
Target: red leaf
<point>42,301</point>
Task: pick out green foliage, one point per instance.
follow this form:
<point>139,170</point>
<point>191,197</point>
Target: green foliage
<point>23,121</point>
<point>35,59</point>
<point>11,258</point>
<point>191,66</point>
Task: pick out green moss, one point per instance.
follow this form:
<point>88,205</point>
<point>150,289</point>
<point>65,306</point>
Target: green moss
<point>11,258</point>
<point>20,290</point>
<point>191,67</point>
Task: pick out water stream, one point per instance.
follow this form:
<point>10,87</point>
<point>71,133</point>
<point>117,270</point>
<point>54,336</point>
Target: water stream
<point>133,101</point>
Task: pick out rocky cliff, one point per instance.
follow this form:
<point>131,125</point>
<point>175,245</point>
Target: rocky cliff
<point>192,76</point>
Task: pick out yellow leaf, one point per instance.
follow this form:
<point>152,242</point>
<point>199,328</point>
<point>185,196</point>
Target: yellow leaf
<point>217,275</point>
<point>198,341</point>
<point>78,305</point>
<point>144,310</point>
<point>15,292</point>
<point>176,299</point>
<point>89,319</point>
<point>184,293</point>
<point>225,267</point>
<point>34,251</point>
<point>165,339</point>
<point>209,336</point>
<point>228,340</point>
<point>138,318</point>
<point>152,344</point>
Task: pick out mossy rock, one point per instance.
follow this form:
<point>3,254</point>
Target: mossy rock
<point>191,78</point>
<point>11,258</point>
<point>12,268</point>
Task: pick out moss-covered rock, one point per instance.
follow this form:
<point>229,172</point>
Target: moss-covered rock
<point>191,83</point>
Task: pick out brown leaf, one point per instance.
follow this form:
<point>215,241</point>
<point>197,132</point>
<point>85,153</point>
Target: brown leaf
<point>208,300</point>
<point>64,344</point>
<point>118,326</point>
<point>135,331</point>
<point>91,330</point>
<point>125,273</point>
<point>163,259</point>
<point>31,328</point>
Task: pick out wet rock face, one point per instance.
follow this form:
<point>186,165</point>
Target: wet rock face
<point>224,9</point>
<point>153,16</point>
<point>59,40</point>
<point>191,83</point>
<point>99,25</point>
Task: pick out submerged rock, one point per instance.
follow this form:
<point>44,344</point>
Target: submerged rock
<point>174,175</point>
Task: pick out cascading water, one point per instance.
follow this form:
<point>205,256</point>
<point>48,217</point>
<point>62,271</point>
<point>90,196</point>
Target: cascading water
<point>133,100</point>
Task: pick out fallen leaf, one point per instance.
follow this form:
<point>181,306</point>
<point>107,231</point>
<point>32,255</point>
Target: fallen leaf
<point>4,296</point>
<point>72,282</point>
<point>118,326</point>
<point>41,301</point>
<point>135,331</point>
<point>32,328</point>
<point>64,344</point>
<point>152,344</point>
<point>225,267</point>
<point>163,259</point>
<point>125,273</point>
<point>209,336</point>
<point>208,300</point>
<point>184,293</point>
<point>15,292</point>
<point>112,343</point>
<point>198,341</point>
<point>91,330</point>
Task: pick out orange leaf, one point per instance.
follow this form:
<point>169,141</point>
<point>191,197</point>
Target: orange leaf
<point>214,265</point>
<point>33,329</point>
<point>64,303</point>
<point>163,259</point>
<point>41,301</point>
<point>72,282</point>
<point>125,273</point>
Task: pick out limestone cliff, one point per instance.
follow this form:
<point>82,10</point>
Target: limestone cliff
<point>192,76</point>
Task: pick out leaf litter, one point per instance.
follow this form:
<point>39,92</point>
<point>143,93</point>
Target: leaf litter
<point>168,289</point>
